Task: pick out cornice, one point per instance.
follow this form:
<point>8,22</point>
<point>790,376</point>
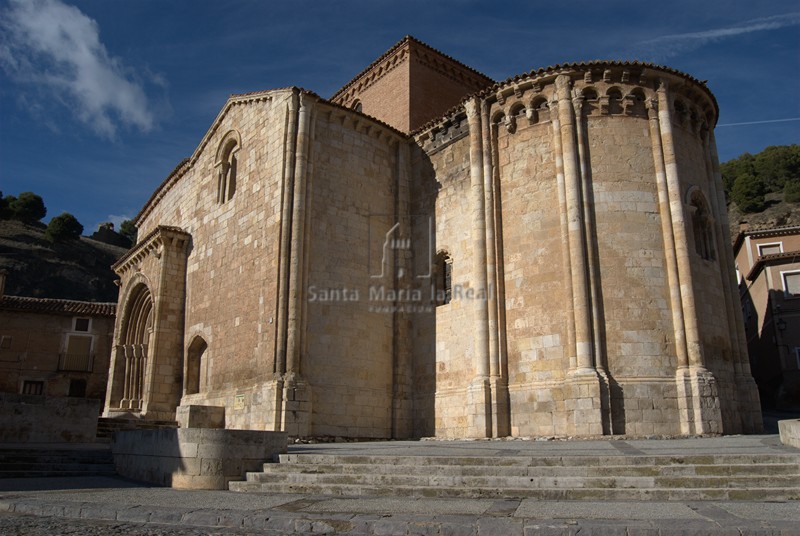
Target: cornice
<point>633,72</point>
<point>187,163</point>
<point>154,243</point>
<point>774,258</point>
<point>764,232</point>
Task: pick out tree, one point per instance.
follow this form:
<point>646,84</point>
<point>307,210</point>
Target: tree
<point>791,192</point>
<point>62,228</point>
<point>28,207</point>
<point>748,193</point>
<point>128,230</point>
<point>732,169</point>
<point>776,165</point>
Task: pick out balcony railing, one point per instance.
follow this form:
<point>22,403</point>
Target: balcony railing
<point>76,362</point>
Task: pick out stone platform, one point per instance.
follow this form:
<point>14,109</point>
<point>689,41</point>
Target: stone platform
<point>77,500</point>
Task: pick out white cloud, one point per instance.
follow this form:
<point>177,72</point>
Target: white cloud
<point>667,46</point>
<point>57,48</point>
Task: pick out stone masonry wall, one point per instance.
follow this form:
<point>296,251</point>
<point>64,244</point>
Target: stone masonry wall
<point>444,353</point>
<point>534,279</point>
<point>232,263</point>
<point>348,357</point>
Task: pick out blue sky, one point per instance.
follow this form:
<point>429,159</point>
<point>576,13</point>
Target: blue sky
<point>100,99</point>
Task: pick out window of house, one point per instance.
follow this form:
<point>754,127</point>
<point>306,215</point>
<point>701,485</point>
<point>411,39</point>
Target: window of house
<point>77,388</point>
<point>5,342</point>
<point>770,249</point>
<point>444,278</point>
<point>32,387</point>
<point>78,354</point>
<point>82,324</point>
<point>791,284</point>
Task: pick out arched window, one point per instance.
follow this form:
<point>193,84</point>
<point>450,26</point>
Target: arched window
<point>195,363</point>
<point>702,227</point>
<point>226,165</point>
<point>356,105</point>
<point>443,274</point>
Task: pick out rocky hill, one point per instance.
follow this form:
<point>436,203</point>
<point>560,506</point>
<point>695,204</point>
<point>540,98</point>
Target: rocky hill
<point>74,270</point>
<point>777,214</point>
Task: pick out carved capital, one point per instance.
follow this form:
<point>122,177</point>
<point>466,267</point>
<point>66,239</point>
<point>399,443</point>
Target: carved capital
<point>577,102</point>
<point>652,108</point>
<point>473,109</point>
<point>563,82</point>
<point>630,103</point>
<point>605,104</point>
<point>510,123</point>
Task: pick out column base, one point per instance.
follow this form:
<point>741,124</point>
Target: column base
<point>296,407</point>
<point>402,422</point>
<point>749,405</point>
<point>583,403</point>
<point>479,403</point>
<point>501,410</point>
<point>698,402</point>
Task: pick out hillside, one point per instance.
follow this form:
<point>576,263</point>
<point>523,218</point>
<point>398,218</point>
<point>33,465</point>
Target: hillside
<point>763,189</point>
<point>74,270</point>
<point>777,214</point>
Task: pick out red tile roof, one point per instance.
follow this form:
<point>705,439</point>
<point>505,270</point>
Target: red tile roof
<point>53,306</point>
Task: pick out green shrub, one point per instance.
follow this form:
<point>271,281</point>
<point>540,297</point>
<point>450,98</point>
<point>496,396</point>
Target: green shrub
<point>62,228</point>
<point>28,207</point>
<point>748,193</point>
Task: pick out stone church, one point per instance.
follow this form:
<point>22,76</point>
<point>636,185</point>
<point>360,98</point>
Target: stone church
<point>430,252</point>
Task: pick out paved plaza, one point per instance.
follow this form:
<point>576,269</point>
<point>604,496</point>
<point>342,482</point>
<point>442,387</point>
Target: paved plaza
<point>102,505</point>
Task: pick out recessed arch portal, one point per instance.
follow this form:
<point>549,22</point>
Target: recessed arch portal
<point>137,326</point>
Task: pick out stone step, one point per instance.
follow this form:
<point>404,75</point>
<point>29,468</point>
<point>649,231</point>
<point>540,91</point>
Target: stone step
<point>434,479</point>
<point>57,472</point>
<point>605,477</point>
<point>535,461</point>
<point>63,466</point>
<point>550,494</point>
<point>50,462</point>
<point>780,469</point>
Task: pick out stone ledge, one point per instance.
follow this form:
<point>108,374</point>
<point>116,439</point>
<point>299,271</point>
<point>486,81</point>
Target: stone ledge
<point>194,458</point>
<point>790,432</point>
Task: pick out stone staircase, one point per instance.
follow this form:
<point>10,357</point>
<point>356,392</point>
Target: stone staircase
<point>106,427</point>
<point>28,462</point>
<point>763,477</point>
